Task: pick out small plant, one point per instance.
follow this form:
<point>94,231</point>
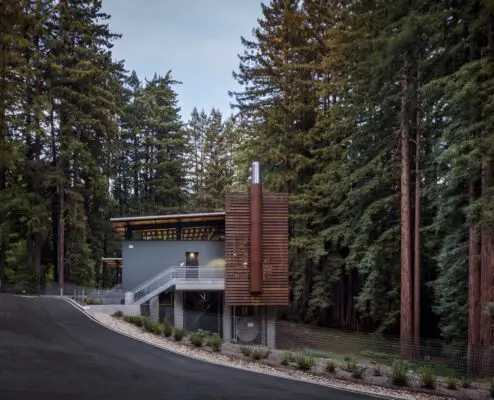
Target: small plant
<point>167,329</point>
<point>133,319</point>
<point>305,362</point>
<point>260,353</point>
<point>358,372</point>
<point>147,323</point>
<point>156,328</point>
<point>347,358</point>
<point>376,371</point>
<point>399,374</point>
<point>451,383</point>
<point>178,334</point>
<point>197,339</point>
<point>466,383</point>
<point>427,378</point>
<point>92,302</point>
<point>286,358</point>
<point>351,365</point>
<point>246,351</point>
<point>118,314</point>
<point>215,343</point>
<point>330,367</point>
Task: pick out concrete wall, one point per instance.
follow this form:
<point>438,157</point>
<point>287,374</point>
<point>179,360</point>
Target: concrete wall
<point>154,308</point>
<point>141,260</point>
<point>111,308</point>
<point>271,327</point>
<point>178,309</point>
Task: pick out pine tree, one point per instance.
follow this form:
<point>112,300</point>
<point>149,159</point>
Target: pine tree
<point>166,145</point>
<point>196,130</point>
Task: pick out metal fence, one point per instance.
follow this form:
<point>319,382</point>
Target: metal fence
<point>444,359</point>
<point>79,293</point>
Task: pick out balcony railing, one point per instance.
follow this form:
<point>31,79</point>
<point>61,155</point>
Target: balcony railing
<point>184,278</point>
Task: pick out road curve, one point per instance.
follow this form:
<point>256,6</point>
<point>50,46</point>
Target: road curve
<point>51,351</point>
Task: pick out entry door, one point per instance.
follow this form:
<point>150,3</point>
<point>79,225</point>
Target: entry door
<point>192,260</point>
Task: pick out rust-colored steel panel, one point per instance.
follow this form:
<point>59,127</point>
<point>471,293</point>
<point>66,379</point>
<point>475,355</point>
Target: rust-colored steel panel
<point>255,238</point>
<point>274,243</point>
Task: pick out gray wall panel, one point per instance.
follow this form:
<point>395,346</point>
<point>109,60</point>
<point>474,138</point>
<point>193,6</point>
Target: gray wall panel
<point>146,259</point>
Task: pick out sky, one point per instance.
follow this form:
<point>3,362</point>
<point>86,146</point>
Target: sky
<point>198,40</point>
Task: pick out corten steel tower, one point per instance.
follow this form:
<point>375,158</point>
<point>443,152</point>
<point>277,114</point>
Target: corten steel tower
<point>256,246</point>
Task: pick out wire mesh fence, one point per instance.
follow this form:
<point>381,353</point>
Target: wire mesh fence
<point>81,294</point>
<point>198,320</point>
<point>445,359</point>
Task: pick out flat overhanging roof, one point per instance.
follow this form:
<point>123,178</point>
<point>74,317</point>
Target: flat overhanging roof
<point>154,219</point>
<point>120,223</point>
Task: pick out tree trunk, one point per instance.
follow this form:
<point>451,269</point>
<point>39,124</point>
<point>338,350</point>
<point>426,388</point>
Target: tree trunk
<point>38,245</point>
<point>61,234</point>
<point>29,251</point>
<point>486,278</point>
<point>416,241</point>
<point>473,288</point>
<point>406,328</point>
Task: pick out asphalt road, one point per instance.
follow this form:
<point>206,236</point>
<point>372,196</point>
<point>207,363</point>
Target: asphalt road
<point>49,350</point>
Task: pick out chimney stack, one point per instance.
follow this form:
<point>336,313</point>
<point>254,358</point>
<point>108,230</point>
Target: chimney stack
<point>255,230</point>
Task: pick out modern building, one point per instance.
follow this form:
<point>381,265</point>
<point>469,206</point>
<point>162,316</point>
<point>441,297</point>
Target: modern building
<point>222,271</point>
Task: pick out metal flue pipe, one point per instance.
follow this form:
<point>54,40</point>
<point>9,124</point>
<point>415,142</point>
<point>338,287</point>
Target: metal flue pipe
<point>255,230</point>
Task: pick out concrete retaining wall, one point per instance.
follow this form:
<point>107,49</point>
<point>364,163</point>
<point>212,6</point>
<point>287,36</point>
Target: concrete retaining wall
<point>127,309</point>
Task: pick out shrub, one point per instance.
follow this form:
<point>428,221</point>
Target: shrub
<point>286,358</point>
<point>358,372</point>
<point>215,343</point>
<point>167,329</point>
<point>466,383</point>
<point>427,378</point>
<point>351,365</point>
<point>178,334</point>
<point>399,374</point>
<point>246,351</point>
<point>305,362</point>
<point>156,328</point>
<point>137,320</point>
<point>133,319</point>
<point>91,301</point>
<point>377,371</point>
<point>330,367</point>
<point>118,314</point>
<point>147,323</point>
<point>260,353</point>
<point>451,383</point>
<point>197,339</point>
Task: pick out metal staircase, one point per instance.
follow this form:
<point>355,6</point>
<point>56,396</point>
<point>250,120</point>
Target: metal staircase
<point>190,278</point>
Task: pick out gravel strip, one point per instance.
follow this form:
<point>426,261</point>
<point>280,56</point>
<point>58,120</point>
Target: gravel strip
<point>216,358</point>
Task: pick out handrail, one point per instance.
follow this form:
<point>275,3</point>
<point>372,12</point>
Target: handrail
<point>171,275</point>
<point>144,284</point>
